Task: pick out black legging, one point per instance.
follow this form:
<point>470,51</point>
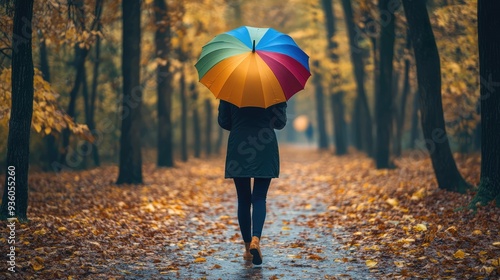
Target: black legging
<point>245,199</point>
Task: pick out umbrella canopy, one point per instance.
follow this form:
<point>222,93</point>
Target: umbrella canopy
<point>253,67</point>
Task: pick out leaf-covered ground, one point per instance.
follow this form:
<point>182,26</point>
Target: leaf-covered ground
<point>328,218</point>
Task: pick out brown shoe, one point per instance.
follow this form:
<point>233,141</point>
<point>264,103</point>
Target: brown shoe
<point>247,256</point>
<point>255,250</point>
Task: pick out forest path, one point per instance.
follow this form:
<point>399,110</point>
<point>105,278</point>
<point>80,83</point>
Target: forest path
<point>292,245</point>
<point>329,217</point>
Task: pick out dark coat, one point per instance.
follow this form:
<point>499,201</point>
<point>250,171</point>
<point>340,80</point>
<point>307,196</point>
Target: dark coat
<point>252,149</point>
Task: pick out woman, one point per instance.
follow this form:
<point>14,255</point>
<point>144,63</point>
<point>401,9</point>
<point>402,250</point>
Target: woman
<point>252,152</point>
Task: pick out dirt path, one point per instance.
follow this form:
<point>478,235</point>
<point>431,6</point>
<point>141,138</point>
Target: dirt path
<point>292,246</point>
<point>328,218</point>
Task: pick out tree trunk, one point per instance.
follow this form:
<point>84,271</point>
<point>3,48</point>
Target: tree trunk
<point>320,110</point>
<point>130,169</point>
<point>336,100</point>
<point>196,122</point>
<point>208,127</point>
<point>414,132</point>
<point>51,152</point>
<point>339,127</point>
<point>359,73</point>
<point>489,60</point>
<point>383,97</point>
<point>15,191</point>
<point>86,101</point>
<point>356,126</point>
<point>80,56</point>
<point>95,81</point>
<point>184,113</point>
<point>431,108</point>
<point>291,134</point>
<point>164,86</point>
<point>404,97</point>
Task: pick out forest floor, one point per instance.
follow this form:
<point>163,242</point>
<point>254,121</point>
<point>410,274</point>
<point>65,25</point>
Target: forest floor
<point>328,218</point>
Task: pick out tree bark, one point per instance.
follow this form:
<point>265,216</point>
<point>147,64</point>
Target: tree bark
<point>95,82</point>
<point>164,86</point>
<point>208,127</point>
<point>431,108</point>
<point>365,120</point>
<point>184,113</point>
<point>336,100</point>
<point>489,60</point>
<point>383,97</point>
<point>51,152</point>
<point>339,127</point>
<point>196,122</point>
<point>130,169</point>
<point>80,56</point>
<point>15,191</point>
<point>320,109</point>
<point>404,97</point>
<point>414,132</point>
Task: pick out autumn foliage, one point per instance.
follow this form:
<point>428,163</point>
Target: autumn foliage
<point>324,212</point>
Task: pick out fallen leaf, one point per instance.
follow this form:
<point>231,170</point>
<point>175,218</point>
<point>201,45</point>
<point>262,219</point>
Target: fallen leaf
<point>459,254</point>
<point>420,227</point>
<point>371,263</point>
<point>200,260</point>
<point>37,263</point>
<point>392,201</point>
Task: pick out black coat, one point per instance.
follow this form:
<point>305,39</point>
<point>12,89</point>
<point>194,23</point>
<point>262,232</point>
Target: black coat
<point>252,149</point>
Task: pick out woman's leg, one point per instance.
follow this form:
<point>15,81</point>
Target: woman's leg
<point>244,192</point>
<point>260,188</point>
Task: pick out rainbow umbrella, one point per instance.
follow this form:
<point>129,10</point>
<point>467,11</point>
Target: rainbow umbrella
<point>253,67</point>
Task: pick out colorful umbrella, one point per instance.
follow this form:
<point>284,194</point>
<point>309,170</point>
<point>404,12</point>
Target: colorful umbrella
<point>253,67</point>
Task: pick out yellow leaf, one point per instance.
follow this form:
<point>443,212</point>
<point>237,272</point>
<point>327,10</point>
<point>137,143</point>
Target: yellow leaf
<point>40,232</point>
<point>61,229</point>
<point>371,263</point>
<point>420,227</point>
<point>418,194</point>
<point>37,127</point>
<point>285,228</point>
<point>487,269</point>
<point>392,201</point>
<point>495,262</point>
<point>477,232</point>
<point>47,130</point>
<point>200,260</point>
<point>496,244</point>
<point>37,263</point>
<point>399,264</point>
<point>459,254</point>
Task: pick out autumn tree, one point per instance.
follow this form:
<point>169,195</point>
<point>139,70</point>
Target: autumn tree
<point>320,106</point>
<point>130,169</point>
<point>15,194</point>
<point>363,126</point>
<point>51,152</point>
<point>196,121</point>
<point>431,108</point>
<point>81,53</point>
<point>336,99</point>
<point>163,85</point>
<point>489,72</point>
<point>383,96</point>
<point>401,113</point>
